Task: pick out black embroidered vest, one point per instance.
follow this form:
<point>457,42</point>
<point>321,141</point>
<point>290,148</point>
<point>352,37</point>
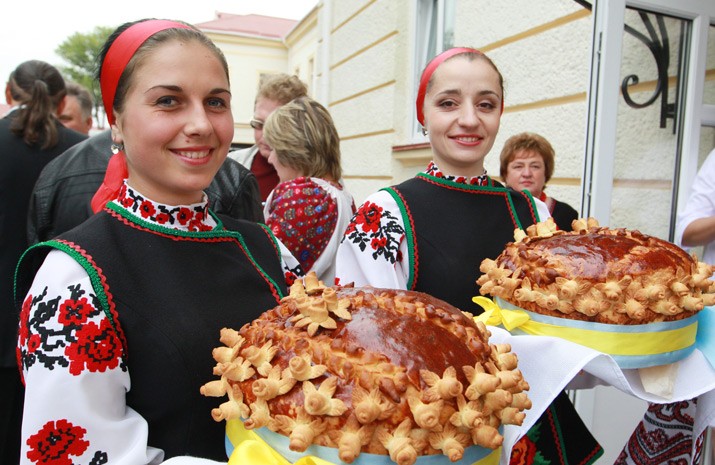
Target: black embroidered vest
<point>169,294</point>
<point>451,227</point>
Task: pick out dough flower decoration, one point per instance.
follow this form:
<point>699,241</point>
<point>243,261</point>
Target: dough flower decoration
<point>363,371</point>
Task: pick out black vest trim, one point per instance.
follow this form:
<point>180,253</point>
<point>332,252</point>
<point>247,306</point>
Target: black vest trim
<point>96,277</point>
<point>409,236</point>
<point>412,249</point>
<point>219,234</point>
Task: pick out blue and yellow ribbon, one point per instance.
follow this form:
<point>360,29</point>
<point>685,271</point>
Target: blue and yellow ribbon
<point>619,340</point>
<point>250,449</point>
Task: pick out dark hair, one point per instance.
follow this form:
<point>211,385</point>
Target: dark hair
<point>150,44</point>
<point>39,87</point>
<point>530,142</point>
<point>472,56</point>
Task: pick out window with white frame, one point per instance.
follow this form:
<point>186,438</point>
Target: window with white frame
<point>434,34</point>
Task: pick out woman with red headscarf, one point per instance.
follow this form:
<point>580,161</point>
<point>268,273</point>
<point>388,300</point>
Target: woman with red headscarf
<point>431,232</point>
<point>120,315</point>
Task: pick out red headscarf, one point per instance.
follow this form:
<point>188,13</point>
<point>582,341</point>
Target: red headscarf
<point>115,61</point>
<point>427,75</point>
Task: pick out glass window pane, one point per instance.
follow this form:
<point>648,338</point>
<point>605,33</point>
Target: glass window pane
<point>709,90</point>
<point>646,140</point>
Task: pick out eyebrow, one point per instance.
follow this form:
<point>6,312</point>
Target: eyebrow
<point>481,93</point>
<point>173,88</point>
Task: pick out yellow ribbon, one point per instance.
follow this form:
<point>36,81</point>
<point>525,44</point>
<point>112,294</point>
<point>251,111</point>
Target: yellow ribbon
<point>494,315</point>
<point>250,449</point>
<point>622,343</point>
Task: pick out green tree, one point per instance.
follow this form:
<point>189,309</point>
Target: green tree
<point>80,51</point>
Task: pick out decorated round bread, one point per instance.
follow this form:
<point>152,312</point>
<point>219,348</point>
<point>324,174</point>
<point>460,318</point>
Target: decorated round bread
<point>366,370</point>
<point>597,274</point>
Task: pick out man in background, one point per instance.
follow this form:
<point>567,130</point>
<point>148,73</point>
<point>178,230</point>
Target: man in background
<point>63,192</point>
<point>274,91</point>
<point>77,113</point>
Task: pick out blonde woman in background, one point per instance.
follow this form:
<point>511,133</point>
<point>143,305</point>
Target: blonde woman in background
<point>309,209</point>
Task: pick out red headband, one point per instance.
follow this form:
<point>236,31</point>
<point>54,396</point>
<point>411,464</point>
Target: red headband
<point>427,75</point>
<point>121,51</point>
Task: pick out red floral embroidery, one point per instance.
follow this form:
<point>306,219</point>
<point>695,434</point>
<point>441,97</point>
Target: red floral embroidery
<point>523,452</point>
<point>147,209</point>
<point>378,242</point>
<point>55,442</point>
<point>24,317</point>
<point>378,229</point>
<point>162,218</point>
<point>97,348</point>
<point>75,312</point>
<point>34,343</point>
<point>184,215</point>
<point>368,216</point>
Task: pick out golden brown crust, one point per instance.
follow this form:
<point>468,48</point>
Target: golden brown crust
<point>597,274</point>
<point>366,370</point>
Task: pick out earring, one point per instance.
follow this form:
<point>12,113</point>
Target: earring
<point>424,131</point>
<point>116,148</point>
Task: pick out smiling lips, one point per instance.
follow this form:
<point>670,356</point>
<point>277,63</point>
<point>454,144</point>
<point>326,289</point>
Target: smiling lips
<point>468,140</point>
<point>194,154</point>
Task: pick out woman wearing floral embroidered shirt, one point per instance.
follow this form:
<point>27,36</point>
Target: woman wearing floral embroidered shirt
<point>431,232</point>
<point>120,315</point>
<point>309,209</point>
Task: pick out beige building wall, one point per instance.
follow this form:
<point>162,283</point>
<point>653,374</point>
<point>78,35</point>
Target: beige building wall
<point>302,44</point>
<point>248,58</point>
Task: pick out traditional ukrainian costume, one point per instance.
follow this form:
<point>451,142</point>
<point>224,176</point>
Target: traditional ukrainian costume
<point>430,234</point>
<point>309,215</point>
<point>118,327</point>
<point>450,223</point>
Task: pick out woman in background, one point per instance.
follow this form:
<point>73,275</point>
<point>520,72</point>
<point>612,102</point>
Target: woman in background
<point>121,314</point>
<point>31,136</point>
<point>309,209</point>
<point>527,163</point>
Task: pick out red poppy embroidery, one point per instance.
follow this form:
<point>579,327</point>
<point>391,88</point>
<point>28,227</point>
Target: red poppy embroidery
<point>55,442</point>
<point>97,348</point>
<point>147,209</point>
<point>184,215</point>
<point>377,228</point>
<point>75,312</point>
<point>162,218</point>
<point>368,216</point>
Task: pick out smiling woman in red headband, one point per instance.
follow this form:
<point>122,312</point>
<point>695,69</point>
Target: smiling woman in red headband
<point>120,315</point>
<point>430,233</point>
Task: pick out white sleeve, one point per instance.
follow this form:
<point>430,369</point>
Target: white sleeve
<point>701,202</point>
<point>542,209</point>
<point>75,375</point>
<point>374,251</point>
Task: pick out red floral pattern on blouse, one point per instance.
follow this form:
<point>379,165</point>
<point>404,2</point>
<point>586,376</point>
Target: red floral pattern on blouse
<point>481,180</point>
<point>55,442</point>
<point>303,216</point>
<point>90,342</point>
<point>191,217</point>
